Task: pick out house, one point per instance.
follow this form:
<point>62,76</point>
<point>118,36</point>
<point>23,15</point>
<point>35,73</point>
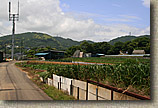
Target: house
<point>123,53</point>
<point>79,54</point>
<point>1,56</point>
<point>88,54</point>
<point>76,53</point>
<point>138,52</point>
<point>52,54</point>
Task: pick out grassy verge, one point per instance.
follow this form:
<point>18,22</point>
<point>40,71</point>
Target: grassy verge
<point>56,94</point>
<point>51,91</point>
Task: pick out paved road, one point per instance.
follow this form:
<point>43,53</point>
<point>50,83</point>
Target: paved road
<point>14,85</point>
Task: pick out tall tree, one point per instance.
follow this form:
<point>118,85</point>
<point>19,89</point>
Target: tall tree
<point>86,47</point>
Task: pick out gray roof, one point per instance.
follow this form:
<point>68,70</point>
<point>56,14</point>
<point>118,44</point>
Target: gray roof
<point>138,52</point>
<point>76,53</point>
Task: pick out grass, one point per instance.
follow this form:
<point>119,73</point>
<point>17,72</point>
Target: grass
<point>51,91</point>
<point>57,94</point>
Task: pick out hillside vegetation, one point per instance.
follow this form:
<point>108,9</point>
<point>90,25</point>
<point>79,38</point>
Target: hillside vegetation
<point>36,41</point>
<point>141,43</point>
<point>33,39</point>
<point>125,39</point>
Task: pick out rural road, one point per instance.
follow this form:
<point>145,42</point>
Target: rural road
<point>14,85</point>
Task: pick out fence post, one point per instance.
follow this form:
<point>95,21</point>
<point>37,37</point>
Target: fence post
<point>60,83</point>
<point>87,91</point>
<point>78,95</point>
<point>71,88</point>
<point>46,80</point>
<point>112,95</point>
<point>96,93</point>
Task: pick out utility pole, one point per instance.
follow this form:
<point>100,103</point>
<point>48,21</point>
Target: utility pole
<point>21,49</point>
<point>5,51</point>
<point>13,17</point>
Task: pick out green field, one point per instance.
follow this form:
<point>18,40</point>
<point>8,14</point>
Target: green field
<point>133,73</point>
<point>113,60</point>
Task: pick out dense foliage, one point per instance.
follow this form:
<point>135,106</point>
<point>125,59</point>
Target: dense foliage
<point>33,42</point>
<point>142,43</point>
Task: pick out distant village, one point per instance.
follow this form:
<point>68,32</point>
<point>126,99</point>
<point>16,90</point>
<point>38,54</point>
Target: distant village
<point>54,54</point>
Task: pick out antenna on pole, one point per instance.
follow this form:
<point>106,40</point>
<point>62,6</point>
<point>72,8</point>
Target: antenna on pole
<point>9,10</point>
<point>13,17</point>
<point>9,7</point>
<point>18,10</point>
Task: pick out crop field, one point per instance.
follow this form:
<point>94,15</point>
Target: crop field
<point>113,60</point>
<point>131,74</point>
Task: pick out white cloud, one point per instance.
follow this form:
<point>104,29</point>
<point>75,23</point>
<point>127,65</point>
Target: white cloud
<point>146,3</point>
<point>47,16</point>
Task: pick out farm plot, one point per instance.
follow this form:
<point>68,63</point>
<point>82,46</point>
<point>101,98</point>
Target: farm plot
<point>132,75</point>
<point>110,60</point>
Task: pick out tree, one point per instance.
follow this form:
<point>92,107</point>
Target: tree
<point>111,51</point>
<point>70,51</point>
<point>86,47</point>
<point>117,47</point>
<point>147,48</point>
<point>31,53</point>
<point>104,47</point>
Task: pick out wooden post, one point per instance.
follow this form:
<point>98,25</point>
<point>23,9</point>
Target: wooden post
<point>112,94</point>
<point>60,83</point>
<point>96,93</point>
<point>71,89</point>
<point>78,95</point>
<point>87,91</point>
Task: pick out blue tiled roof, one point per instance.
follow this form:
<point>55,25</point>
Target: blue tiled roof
<point>41,54</point>
<point>101,54</point>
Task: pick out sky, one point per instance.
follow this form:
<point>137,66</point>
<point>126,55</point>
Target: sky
<point>95,20</point>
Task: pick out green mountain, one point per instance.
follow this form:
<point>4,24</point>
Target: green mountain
<point>33,39</point>
<point>126,38</point>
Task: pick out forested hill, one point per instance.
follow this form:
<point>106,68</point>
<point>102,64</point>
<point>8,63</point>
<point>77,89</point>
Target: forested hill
<point>33,39</point>
<point>126,38</point>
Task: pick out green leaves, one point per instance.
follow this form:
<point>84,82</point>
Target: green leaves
<point>130,73</point>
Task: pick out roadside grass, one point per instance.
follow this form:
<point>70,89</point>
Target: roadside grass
<point>57,94</point>
<point>51,91</point>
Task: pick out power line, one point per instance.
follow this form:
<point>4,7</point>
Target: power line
<point>13,17</point>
